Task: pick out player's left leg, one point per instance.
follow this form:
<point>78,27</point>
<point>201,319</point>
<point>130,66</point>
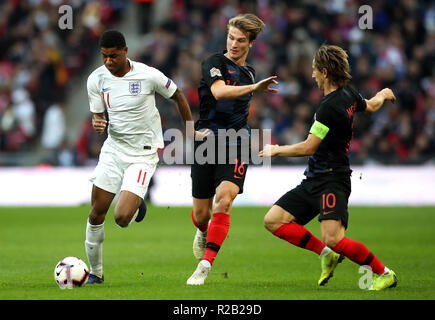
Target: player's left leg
<point>126,208</point>
<point>130,205</point>
<point>333,236</point>
<point>226,192</point>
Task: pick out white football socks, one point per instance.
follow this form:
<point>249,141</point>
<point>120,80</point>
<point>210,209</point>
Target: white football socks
<point>94,247</point>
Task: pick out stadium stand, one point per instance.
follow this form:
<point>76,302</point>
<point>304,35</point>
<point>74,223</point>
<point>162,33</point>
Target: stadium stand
<point>37,62</point>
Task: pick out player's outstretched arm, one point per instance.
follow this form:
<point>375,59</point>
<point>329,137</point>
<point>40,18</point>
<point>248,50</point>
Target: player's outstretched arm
<point>222,91</point>
<point>264,85</point>
<point>375,103</point>
<point>301,149</point>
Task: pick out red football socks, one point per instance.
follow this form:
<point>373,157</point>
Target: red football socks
<point>299,236</point>
<point>358,253</point>
<point>217,232</point>
<point>202,227</point>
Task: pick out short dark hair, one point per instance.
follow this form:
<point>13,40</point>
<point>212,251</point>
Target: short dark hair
<point>112,39</point>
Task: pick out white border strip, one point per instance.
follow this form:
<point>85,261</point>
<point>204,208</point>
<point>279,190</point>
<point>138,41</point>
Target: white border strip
<point>371,185</point>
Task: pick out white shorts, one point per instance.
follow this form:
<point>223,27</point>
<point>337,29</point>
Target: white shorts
<point>118,172</point>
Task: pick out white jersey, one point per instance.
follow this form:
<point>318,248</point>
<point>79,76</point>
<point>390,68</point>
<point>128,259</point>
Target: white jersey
<point>134,125</point>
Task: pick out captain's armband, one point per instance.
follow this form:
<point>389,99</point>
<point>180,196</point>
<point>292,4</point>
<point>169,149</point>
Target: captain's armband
<point>319,129</point>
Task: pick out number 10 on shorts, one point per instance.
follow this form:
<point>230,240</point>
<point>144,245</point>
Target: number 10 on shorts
<point>328,201</point>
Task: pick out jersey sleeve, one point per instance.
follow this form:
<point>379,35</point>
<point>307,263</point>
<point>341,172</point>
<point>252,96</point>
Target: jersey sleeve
<point>212,69</point>
<point>163,85</point>
<point>361,104</point>
<point>96,103</point>
<point>323,122</point>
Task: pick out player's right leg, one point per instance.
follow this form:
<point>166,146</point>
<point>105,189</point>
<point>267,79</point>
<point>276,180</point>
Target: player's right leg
<point>282,224</point>
<point>226,192</point>
<point>100,203</point>
<point>106,180</point>
<point>289,226</point>
<point>203,192</point>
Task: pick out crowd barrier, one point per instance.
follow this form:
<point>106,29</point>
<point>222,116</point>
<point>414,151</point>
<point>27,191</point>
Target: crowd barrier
<point>371,186</point>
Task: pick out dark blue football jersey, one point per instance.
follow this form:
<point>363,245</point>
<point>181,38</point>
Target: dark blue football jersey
<point>335,115</point>
<point>223,114</point>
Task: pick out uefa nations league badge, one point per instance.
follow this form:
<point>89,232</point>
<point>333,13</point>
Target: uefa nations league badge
<point>134,87</point>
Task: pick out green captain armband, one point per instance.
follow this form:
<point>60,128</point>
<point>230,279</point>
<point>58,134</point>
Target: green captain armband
<point>319,129</point>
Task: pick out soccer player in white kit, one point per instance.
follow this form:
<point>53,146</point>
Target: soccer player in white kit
<point>126,90</point>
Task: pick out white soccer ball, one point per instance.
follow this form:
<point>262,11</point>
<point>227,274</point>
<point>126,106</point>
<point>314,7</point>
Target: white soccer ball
<point>71,272</point>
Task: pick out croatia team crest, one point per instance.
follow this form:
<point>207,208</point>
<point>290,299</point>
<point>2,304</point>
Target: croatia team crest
<point>134,87</point>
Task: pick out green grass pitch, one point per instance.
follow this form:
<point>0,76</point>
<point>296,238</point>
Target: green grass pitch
<point>153,259</point>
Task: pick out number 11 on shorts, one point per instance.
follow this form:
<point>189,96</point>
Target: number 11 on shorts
<point>140,174</point>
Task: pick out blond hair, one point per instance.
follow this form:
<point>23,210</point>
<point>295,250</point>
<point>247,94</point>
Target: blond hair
<point>334,60</point>
<point>249,23</point>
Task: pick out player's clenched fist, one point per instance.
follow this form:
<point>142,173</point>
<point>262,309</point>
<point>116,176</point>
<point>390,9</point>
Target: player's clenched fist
<point>99,124</point>
<point>388,94</point>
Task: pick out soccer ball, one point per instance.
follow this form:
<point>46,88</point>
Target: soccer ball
<point>71,272</point>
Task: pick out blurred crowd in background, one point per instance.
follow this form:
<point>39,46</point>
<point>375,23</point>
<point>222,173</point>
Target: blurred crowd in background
<point>37,62</point>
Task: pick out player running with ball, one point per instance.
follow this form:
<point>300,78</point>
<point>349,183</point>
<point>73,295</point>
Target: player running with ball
<point>126,90</point>
<point>327,187</point>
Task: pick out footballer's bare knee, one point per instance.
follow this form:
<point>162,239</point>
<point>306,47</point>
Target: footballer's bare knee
<point>126,207</point>
<point>271,223</point>
<point>332,238</point>
<point>332,232</point>
<point>123,215</point>
<point>202,215</point>
<point>276,217</point>
<point>96,217</point>
<point>202,210</point>
<point>122,221</point>
<point>226,192</point>
<point>223,203</point>
<point>100,204</point>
